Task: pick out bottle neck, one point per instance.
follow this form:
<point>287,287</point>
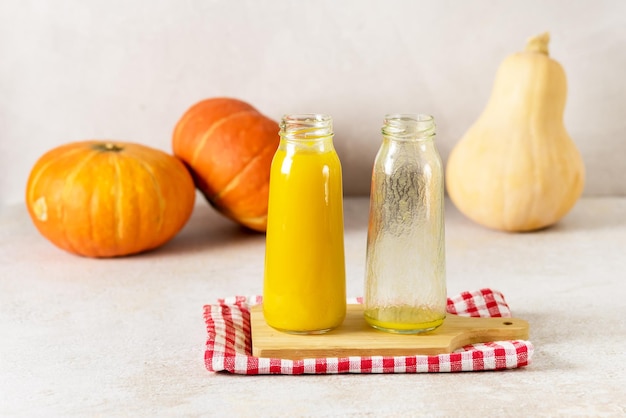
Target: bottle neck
<point>313,132</point>
<point>409,128</point>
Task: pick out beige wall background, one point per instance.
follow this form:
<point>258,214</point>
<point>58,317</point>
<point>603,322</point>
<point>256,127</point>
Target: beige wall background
<point>72,69</point>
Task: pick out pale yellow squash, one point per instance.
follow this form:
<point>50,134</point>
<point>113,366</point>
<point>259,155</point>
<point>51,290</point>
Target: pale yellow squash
<point>516,168</point>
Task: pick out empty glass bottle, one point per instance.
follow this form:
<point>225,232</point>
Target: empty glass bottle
<point>405,284</point>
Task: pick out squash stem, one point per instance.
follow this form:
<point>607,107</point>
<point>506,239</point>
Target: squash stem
<point>538,43</point>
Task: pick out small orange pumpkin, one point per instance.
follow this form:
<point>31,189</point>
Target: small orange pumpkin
<point>107,199</point>
<point>228,147</point>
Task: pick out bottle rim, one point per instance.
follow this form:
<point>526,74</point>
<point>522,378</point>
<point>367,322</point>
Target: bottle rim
<point>409,126</point>
<point>306,126</point>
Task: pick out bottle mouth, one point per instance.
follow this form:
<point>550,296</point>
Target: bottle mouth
<point>306,126</point>
<point>409,126</point>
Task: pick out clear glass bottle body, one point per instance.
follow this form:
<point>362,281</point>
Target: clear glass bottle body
<point>305,284</point>
<point>405,284</point>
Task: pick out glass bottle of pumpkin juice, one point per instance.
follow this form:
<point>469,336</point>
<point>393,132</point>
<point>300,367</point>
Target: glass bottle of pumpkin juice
<point>305,285</point>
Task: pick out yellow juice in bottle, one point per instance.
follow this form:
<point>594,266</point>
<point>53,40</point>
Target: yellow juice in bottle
<point>403,319</point>
<point>304,284</point>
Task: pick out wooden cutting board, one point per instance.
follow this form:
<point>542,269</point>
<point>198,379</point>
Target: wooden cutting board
<point>356,338</point>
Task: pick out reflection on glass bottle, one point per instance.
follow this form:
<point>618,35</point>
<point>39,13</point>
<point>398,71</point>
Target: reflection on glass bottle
<point>405,284</point>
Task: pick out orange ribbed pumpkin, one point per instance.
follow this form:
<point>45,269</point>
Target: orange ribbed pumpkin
<point>108,198</point>
<point>228,146</point>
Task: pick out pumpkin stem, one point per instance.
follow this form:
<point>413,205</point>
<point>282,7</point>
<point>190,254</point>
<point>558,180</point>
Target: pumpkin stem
<point>108,146</point>
<point>538,43</point>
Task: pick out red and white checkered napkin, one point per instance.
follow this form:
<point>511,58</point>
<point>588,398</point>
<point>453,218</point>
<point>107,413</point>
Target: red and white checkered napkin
<point>229,344</point>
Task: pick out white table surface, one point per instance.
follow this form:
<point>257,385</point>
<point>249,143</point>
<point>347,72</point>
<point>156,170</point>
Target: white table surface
<point>125,337</point>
